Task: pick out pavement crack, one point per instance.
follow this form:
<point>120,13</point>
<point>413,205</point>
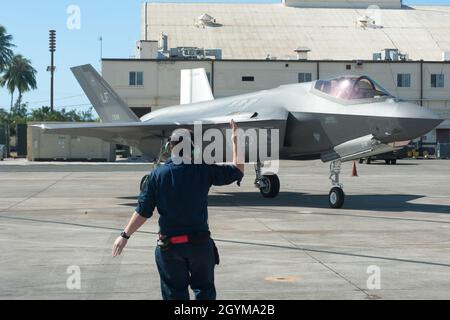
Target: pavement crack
<point>34,194</point>
<point>317,260</point>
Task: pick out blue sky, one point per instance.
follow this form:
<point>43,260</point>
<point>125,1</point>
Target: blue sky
<point>118,22</point>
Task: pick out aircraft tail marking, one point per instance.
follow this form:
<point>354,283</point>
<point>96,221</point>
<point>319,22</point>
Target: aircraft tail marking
<point>108,104</point>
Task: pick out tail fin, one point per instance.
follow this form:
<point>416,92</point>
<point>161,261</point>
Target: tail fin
<point>194,86</point>
<point>109,106</point>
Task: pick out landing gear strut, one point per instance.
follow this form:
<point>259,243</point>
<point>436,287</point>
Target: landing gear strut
<point>336,196</point>
<point>268,185</point>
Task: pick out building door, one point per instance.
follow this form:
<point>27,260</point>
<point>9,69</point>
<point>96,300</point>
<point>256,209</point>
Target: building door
<point>443,135</point>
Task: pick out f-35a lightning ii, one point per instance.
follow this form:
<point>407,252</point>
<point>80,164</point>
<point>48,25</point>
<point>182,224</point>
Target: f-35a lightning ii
<point>335,120</point>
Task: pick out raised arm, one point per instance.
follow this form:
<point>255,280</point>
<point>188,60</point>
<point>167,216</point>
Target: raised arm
<point>238,161</point>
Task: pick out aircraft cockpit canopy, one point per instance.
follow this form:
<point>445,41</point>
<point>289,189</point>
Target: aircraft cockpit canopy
<point>351,88</point>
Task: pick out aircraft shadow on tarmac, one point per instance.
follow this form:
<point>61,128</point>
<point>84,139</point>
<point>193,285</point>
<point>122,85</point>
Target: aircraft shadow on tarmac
<point>371,202</point>
<point>383,164</point>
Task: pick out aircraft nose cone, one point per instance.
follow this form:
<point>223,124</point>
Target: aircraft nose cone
<point>415,128</point>
<point>417,121</point>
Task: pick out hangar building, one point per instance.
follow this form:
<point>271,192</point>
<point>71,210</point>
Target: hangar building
<point>249,47</point>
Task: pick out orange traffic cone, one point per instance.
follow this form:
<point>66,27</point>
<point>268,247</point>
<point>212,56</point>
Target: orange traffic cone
<point>354,172</point>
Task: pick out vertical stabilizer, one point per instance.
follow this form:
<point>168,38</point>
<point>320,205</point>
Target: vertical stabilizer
<point>106,102</point>
<point>194,86</point>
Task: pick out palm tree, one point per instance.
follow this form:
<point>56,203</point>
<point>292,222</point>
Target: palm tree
<point>5,48</point>
<point>20,75</point>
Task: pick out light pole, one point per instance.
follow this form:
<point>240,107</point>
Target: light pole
<point>51,68</point>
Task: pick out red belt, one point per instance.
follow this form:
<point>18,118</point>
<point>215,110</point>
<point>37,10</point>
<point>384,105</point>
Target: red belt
<point>179,239</point>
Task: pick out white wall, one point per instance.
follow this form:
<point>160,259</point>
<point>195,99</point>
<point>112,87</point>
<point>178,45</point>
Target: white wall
<point>162,78</point>
<point>228,75</point>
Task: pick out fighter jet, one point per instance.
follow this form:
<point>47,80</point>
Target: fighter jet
<point>340,119</point>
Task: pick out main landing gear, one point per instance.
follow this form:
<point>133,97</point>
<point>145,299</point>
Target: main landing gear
<point>336,196</point>
<point>268,185</point>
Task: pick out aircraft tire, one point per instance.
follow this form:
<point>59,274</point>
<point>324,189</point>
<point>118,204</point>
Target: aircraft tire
<point>394,161</point>
<point>273,186</point>
<point>336,198</point>
<point>143,181</point>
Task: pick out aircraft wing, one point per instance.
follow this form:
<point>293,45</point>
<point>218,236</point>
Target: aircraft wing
<point>136,131</point>
<point>106,131</point>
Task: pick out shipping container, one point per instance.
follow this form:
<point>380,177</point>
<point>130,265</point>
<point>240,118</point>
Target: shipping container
<point>58,147</point>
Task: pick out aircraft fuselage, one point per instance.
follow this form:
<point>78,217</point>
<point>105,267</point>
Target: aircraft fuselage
<point>315,122</point>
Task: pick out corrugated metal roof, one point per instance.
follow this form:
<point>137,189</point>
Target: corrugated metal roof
<point>252,31</point>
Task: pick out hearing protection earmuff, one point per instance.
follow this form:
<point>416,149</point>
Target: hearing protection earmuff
<point>168,151</point>
<point>167,147</point>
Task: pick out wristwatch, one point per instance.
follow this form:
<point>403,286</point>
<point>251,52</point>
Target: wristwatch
<point>124,235</point>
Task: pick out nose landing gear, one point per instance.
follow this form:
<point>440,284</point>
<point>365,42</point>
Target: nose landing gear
<point>336,197</point>
<point>268,185</point>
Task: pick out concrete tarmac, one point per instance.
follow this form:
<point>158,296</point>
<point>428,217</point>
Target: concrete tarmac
<point>390,241</point>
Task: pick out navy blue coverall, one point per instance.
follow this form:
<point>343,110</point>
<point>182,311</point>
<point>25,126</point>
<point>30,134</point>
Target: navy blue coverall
<point>180,193</point>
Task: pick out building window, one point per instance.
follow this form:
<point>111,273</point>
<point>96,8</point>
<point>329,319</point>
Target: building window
<point>304,77</point>
<point>136,78</point>
<point>404,80</point>
<point>348,67</point>
<point>248,78</point>
<point>437,81</point>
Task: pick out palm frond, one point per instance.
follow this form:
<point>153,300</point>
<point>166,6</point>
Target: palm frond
<point>19,75</point>
<point>6,46</point>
